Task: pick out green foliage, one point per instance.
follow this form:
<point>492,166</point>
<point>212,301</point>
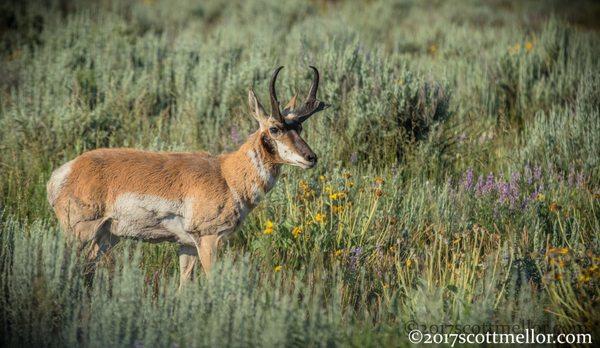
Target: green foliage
<point>457,180</point>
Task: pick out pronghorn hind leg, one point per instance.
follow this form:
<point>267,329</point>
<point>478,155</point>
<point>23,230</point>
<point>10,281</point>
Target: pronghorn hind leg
<point>188,257</point>
<point>102,241</point>
<point>207,251</point>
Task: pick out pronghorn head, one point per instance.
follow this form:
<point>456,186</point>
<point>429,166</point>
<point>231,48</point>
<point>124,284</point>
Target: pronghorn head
<point>280,131</point>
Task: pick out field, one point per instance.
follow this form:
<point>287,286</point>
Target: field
<point>458,180</point>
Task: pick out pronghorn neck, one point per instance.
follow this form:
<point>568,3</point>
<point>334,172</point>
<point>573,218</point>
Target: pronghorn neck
<point>250,171</point>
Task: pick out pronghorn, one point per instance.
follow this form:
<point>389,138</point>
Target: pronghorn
<point>192,198</point>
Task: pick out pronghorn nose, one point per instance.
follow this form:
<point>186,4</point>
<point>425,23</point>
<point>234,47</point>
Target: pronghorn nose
<point>311,157</point>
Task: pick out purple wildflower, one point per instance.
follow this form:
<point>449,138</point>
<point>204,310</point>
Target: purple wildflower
<point>479,186</point>
<point>537,173</point>
<point>354,256</point>
<point>353,158</point>
<point>235,135</point>
<point>572,176</point>
<point>528,174</point>
<point>468,179</point>
<point>581,179</point>
<point>490,184</point>
<point>503,191</point>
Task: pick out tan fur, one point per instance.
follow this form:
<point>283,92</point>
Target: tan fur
<point>192,198</point>
<point>221,191</point>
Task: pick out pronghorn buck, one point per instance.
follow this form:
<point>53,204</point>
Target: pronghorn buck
<point>192,198</point>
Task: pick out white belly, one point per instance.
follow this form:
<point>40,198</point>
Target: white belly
<point>151,218</point>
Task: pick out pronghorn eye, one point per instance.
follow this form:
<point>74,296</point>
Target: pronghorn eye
<point>274,130</point>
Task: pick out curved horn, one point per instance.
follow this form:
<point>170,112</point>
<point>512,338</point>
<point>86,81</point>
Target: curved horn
<point>312,94</point>
<point>275,112</point>
<point>311,105</point>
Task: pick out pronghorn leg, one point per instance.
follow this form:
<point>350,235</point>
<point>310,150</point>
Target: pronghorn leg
<point>207,250</point>
<point>188,256</point>
<point>102,241</point>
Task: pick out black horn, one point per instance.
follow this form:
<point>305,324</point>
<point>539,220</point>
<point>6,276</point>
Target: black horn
<point>312,94</point>
<point>275,112</point>
<point>311,105</point>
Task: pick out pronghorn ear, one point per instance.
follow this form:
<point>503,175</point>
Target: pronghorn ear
<point>257,109</point>
<point>291,105</point>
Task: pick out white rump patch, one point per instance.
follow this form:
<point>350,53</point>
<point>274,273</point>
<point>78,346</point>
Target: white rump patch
<point>57,181</point>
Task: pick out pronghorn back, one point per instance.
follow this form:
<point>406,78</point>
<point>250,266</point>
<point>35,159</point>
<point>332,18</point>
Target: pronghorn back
<point>193,198</point>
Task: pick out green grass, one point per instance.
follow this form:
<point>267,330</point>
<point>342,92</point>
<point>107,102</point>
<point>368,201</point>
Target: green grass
<point>458,178</point>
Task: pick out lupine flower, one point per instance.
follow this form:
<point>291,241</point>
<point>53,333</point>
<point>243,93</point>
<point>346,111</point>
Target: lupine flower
<point>581,179</point>
<point>479,186</point>
<point>354,256</point>
<point>537,173</point>
<point>490,184</point>
<point>235,135</point>
<point>468,179</point>
<point>571,176</point>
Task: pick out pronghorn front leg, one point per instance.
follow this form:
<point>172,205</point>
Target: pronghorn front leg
<point>207,250</point>
<point>188,256</point>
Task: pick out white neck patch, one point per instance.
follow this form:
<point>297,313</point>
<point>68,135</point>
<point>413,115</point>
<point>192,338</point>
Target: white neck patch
<point>268,179</point>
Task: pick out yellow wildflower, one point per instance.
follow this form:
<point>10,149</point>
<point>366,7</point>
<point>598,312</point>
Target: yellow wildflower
<point>528,46</point>
<point>379,180</point>
<point>322,177</point>
<point>558,251</point>
<point>553,207</point>
<point>268,227</point>
<point>320,218</point>
<point>337,209</point>
<point>328,189</point>
<point>432,49</point>
<point>408,263</point>
<point>278,268</point>
<point>336,195</point>
<point>338,252</point>
<point>540,197</point>
<point>584,278</point>
<point>350,183</point>
<point>303,184</point>
<point>296,231</point>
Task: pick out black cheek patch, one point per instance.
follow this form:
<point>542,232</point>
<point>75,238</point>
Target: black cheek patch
<point>267,143</point>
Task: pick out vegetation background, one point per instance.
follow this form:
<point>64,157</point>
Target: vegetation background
<point>458,182</point>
